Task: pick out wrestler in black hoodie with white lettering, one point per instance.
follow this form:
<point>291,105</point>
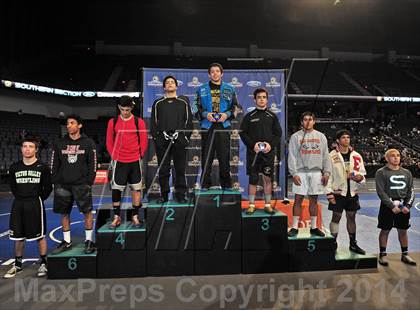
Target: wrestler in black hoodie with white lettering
<point>73,168</point>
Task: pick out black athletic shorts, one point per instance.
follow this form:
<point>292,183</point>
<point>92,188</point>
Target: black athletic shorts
<point>388,219</point>
<point>27,220</point>
<point>66,195</point>
<point>264,164</point>
<point>124,174</point>
<point>350,204</point>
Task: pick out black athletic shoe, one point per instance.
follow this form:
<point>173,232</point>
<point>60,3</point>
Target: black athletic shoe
<point>356,249</point>
<point>408,260</point>
<point>317,232</point>
<point>382,260</point>
<point>293,232</point>
<point>205,187</point>
<point>180,198</point>
<point>63,246</point>
<point>89,247</point>
<point>162,199</point>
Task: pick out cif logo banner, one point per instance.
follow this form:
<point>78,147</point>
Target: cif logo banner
<point>244,82</point>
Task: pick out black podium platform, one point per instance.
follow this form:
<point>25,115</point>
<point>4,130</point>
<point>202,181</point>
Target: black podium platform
<point>170,239</point>
<point>72,264</point>
<point>311,253</point>
<point>345,259</point>
<point>124,237</point>
<point>264,242</point>
<point>217,232</point>
<point>121,251</point>
<point>211,235</point>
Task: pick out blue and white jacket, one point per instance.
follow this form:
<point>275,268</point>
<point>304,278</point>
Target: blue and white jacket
<point>203,104</point>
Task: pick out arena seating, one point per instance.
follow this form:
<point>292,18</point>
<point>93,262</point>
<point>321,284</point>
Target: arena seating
<point>391,79</point>
<point>372,146</point>
<point>307,76</point>
<point>13,125</point>
<point>96,129</point>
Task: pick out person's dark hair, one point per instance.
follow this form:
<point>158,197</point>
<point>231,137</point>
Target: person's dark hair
<point>30,138</point>
<point>307,113</point>
<point>125,101</point>
<point>341,133</point>
<point>169,77</point>
<point>75,117</point>
<point>260,90</point>
<point>215,64</point>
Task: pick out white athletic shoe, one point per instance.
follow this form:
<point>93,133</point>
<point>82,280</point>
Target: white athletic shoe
<point>42,271</point>
<point>12,272</point>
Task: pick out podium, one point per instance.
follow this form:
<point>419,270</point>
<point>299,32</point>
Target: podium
<point>217,226</point>
<point>121,250</point>
<point>346,259</point>
<point>310,253</point>
<point>170,239</point>
<point>72,264</point>
<point>264,242</point>
<point>210,235</point>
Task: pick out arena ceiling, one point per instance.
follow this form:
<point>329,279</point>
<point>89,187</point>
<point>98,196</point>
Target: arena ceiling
<point>345,25</point>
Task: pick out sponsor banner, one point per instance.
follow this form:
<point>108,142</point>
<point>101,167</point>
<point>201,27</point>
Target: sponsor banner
<point>244,82</point>
<point>399,99</point>
<point>65,92</point>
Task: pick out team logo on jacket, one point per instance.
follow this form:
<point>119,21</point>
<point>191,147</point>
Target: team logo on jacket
<point>155,82</point>
<point>397,181</point>
<point>227,94</point>
<point>253,83</point>
<point>72,152</point>
<point>194,82</point>
<point>356,162</point>
<point>235,82</point>
<point>335,159</point>
<point>273,82</point>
